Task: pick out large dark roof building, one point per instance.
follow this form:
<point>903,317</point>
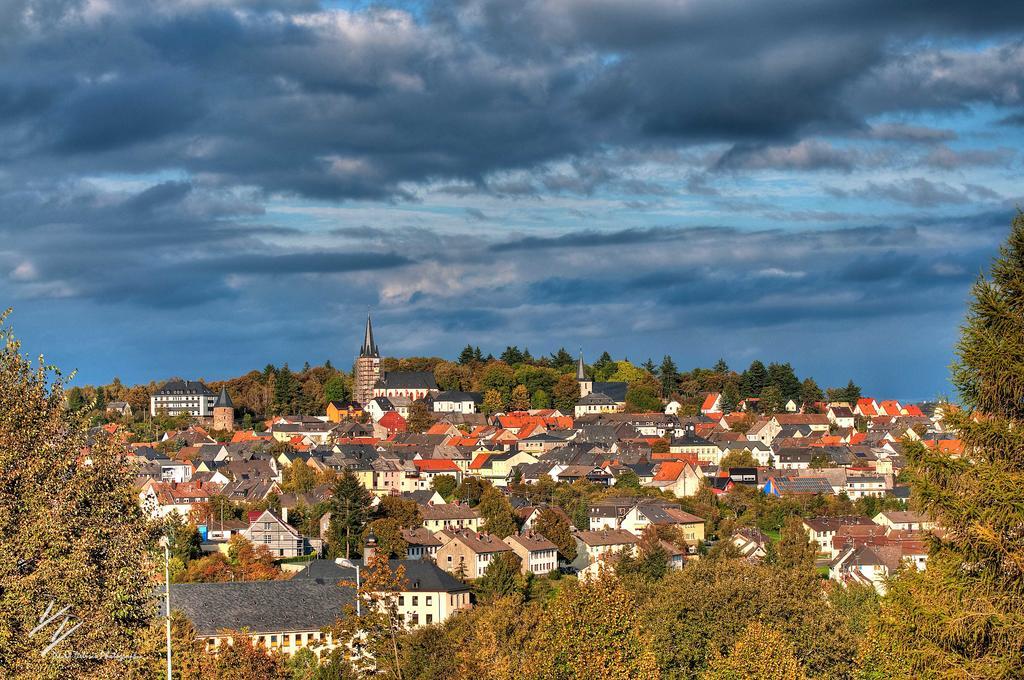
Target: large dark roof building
<point>182,396</point>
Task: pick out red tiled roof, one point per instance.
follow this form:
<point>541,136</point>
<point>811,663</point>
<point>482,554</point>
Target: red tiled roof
<point>669,471</point>
<point>709,402</point>
<point>479,461</point>
<point>436,465</point>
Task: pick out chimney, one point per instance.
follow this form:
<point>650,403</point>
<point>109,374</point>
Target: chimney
<point>284,514</point>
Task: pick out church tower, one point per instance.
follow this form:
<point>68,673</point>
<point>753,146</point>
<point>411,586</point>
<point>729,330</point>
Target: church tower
<point>224,412</point>
<point>367,367</point>
<point>586,384</point>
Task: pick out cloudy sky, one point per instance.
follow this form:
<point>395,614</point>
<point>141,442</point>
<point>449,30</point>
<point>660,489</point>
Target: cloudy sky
<point>199,187</point>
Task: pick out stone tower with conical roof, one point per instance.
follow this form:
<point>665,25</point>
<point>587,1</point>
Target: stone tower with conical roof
<point>367,370</point>
<point>586,384</point>
<point>223,412</point>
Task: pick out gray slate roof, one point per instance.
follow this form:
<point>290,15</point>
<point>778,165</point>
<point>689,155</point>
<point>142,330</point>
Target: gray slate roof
<point>300,604</point>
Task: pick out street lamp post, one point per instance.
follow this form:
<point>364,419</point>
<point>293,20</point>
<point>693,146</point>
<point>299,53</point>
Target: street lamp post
<point>167,596</point>
<point>349,564</point>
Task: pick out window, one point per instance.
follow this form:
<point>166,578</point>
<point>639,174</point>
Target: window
<point>430,618</point>
<point>401,600</point>
<point>415,601</point>
<point>267,538</point>
<point>430,600</point>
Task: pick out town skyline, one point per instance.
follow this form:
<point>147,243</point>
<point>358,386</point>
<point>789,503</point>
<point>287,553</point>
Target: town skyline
<point>822,189</point>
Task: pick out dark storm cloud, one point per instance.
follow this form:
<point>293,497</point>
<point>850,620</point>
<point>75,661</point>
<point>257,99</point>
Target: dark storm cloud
<point>354,104</point>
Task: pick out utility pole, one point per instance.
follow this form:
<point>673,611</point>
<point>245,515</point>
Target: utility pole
<point>167,596</point>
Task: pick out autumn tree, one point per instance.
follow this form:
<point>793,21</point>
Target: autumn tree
<point>963,615</point>
<point>553,526</point>
<point>73,540</point>
<point>382,624</point>
<point>496,512</point>
<point>299,477</point>
<point>502,578</point>
<point>520,400</point>
<point>794,550</point>
<point>593,629</point>
<point>566,393</point>
<point>493,402</point>
<point>760,653</point>
<point>420,418</point>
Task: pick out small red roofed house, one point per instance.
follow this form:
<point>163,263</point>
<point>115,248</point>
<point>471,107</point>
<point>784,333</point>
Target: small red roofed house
<point>912,410</point>
<point>712,404</point>
<point>678,477</point>
<point>389,424</point>
<point>866,407</point>
<point>890,408</point>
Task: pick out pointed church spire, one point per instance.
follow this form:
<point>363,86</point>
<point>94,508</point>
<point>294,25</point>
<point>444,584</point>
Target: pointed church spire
<point>369,348</point>
<point>223,399</point>
<point>581,374</point>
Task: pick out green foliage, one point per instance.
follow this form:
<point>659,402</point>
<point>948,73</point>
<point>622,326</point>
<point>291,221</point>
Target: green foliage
<point>642,395</point>
<point>738,459</point>
<point>71,533</point>
<point>540,399</point>
<point>771,400</point>
<point>688,621</point>
<point>963,615</point>
<point>566,393</point>
<point>420,418</point>
<point>336,389</point>
<point>445,485</point>
<point>754,380</point>
<point>388,532</point>
<point>810,392</point>
<point>502,578</point>
<point>668,374</point>
<point>496,512</point>
<point>552,526</point>
<point>760,653</point>
<point>350,509</point>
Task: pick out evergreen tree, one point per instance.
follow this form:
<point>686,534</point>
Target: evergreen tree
<point>771,400</point>
<point>286,389</point>
<point>512,355</point>
<point>810,392</point>
<point>467,356</point>
<point>963,615</point>
<point>562,359</point>
<point>604,367</point>
<point>72,534</point>
<point>754,380</point>
<point>478,356</point>
<point>720,367</point>
<point>649,366</point>
<point>783,377</point>
<point>668,374</point>
<point>730,397</point>
<point>350,508</point>
<point>75,399</point>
